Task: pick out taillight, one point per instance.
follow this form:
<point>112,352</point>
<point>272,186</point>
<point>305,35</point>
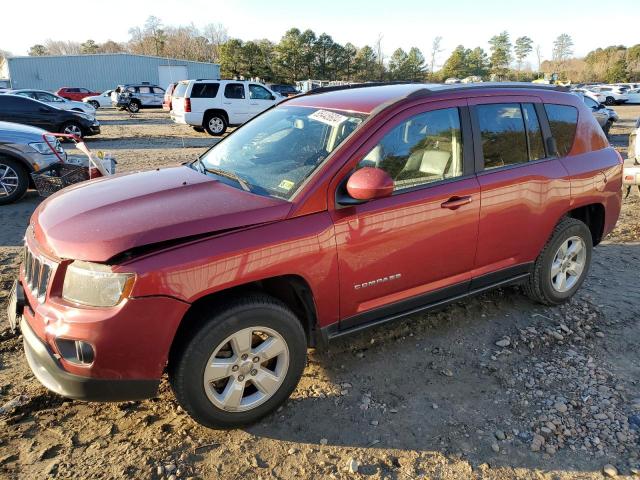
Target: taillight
<point>187,105</point>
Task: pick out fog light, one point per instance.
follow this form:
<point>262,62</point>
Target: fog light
<point>75,351</point>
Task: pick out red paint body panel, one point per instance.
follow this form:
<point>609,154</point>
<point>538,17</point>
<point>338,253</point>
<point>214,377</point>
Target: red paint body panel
<point>242,238</point>
<point>99,219</point>
<point>131,340</point>
<point>303,246</point>
<point>77,96</point>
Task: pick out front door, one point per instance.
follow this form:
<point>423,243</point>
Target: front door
<point>418,245</point>
<point>259,99</point>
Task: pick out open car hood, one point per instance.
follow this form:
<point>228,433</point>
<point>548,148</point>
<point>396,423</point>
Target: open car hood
<point>97,220</point>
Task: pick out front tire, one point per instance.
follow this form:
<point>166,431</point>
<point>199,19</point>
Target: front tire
<point>134,107</point>
<point>243,361</point>
<point>14,180</point>
<point>72,128</point>
<point>215,124</point>
<point>94,104</point>
<point>562,265</point>
<point>607,127</point>
<point>610,101</point>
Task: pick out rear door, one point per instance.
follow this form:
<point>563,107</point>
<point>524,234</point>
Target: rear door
<point>158,96</point>
<point>524,188</point>
<point>259,99</point>
<point>417,246</point>
<point>235,102</point>
<point>145,95</point>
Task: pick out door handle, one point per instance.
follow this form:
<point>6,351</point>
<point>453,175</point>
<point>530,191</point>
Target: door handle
<point>456,202</point>
<point>227,103</point>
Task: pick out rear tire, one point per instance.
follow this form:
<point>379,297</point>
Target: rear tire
<point>567,255</point>
<point>94,104</point>
<point>226,374</point>
<point>610,101</point>
<point>607,127</point>
<point>14,180</point>
<point>215,124</point>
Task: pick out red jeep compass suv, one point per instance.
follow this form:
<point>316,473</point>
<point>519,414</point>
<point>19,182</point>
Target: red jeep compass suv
<point>333,211</point>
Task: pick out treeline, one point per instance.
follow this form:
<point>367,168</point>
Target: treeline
<point>304,54</point>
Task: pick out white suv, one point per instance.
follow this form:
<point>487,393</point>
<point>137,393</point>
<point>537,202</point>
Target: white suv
<point>213,105</point>
<point>613,95</point>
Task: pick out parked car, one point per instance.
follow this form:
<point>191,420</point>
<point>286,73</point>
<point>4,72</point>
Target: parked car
<point>99,101</point>
<point>283,90</point>
<point>134,97</point>
<point>74,93</point>
<point>332,212</point>
<point>23,150</point>
<point>55,100</point>
<point>598,97</point>
<point>633,95</point>
<point>20,109</point>
<point>214,105</point>
<point>605,116</point>
<point>613,95</point>
<point>166,102</point>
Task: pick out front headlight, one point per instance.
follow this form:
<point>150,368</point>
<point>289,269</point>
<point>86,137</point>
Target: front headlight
<point>95,285</point>
<point>42,148</point>
<point>88,116</point>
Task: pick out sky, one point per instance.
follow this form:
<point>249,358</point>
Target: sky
<point>402,23</point>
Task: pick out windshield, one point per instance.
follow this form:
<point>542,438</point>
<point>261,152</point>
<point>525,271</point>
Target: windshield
<point>275,153</point>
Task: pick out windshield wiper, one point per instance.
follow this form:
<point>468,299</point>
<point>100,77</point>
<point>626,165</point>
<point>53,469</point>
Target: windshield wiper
<point>231,175</point>
<point>223,173</point>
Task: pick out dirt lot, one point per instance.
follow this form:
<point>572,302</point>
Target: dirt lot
<point>429,397</point>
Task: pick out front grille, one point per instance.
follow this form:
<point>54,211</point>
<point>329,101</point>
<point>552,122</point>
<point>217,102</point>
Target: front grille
<point>37,274</point>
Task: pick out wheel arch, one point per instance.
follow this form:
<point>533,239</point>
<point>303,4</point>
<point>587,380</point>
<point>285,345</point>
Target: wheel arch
<point>592,215</point>
<point>23,161</point>
<point>211,111</point>
<point>293,290</point>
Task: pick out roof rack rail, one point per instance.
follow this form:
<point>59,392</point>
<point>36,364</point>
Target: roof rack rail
<point>335,88</point>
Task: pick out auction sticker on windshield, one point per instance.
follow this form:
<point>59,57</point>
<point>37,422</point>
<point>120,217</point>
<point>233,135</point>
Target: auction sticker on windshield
<point>330,118</point>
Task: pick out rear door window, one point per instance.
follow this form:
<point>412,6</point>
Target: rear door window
<point>563,120</point>
<point>503,136</point>
<point>234,90</point>
<point>205,90</point>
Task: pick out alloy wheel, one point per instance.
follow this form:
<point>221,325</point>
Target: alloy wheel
<point>73,129</point>
<point>568,264</point>
<point>246,369</point>
<point>216,125</point>
<point>8,180</point>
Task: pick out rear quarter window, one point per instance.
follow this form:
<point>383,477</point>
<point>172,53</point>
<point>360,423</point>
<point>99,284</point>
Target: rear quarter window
<point>563,120</point>
<point>205,90</point>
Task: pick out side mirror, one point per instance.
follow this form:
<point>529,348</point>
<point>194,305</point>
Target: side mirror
<point>368,183</point>
<point>600,106</point>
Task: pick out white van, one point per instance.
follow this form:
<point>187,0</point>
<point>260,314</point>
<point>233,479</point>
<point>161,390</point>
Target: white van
<point>213,105</point>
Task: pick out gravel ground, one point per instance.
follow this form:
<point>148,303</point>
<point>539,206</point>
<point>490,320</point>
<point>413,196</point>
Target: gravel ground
<point>494,387</point>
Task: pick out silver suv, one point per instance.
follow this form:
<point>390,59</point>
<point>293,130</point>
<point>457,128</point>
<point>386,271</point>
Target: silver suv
<point>135,96</point>
<point>23,150</point>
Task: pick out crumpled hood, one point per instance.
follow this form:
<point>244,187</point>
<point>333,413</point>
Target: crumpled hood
<point>96,220</point>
